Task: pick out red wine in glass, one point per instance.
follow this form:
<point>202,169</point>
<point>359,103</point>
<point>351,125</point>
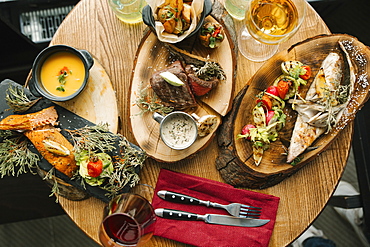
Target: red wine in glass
<point>122,229</point>
<point>130,222</point>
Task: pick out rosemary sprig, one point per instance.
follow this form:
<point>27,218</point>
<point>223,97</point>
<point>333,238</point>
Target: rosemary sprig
<point>127,158</point>
<point>50,175</point>
<point>18,100</point>
<point>15,157</point>
<point>124,167</point>
<point>209,71</point>
<point>92,138</point>
<point>150,103</point>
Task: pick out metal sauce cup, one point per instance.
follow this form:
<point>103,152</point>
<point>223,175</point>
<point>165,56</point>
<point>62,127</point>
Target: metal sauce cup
<point>178,130</point>
<point>35,84</point>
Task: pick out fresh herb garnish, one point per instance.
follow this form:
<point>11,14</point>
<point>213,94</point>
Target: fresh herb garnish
<point>209,71</point>
<point>15,157</point>
<point>150,102</point>
<point>98,139</point>
<point>18,100</point>
<point>62,78</point>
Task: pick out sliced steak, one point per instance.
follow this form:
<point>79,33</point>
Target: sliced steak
<point>179,97</point>
<point>199,86</point>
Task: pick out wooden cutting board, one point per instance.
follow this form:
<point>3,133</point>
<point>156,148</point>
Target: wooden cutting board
<point>236,163</point>
<point>153,56</point>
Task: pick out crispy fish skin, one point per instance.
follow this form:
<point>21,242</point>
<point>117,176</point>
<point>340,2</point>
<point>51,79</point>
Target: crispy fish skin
<point>64,164</point>
<point>30,121</point>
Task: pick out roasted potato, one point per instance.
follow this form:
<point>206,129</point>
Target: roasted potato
<point>175,16</point>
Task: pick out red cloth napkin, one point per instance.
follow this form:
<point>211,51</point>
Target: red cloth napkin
<point>199,233</point>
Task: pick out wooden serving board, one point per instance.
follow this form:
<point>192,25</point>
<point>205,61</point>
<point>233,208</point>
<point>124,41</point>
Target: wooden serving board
<point>235,161</point>
<point>153,56</point>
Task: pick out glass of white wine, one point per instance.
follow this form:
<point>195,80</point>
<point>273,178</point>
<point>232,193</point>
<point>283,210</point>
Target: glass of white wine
<point>267,24</point>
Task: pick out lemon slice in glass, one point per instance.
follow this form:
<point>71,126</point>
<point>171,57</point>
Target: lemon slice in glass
<point>171,78</point>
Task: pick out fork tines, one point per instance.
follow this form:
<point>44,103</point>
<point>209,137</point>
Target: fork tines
<point>250,211</point>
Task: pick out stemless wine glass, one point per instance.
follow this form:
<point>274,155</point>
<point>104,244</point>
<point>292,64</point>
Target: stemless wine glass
<point>268,23</point>
<point>129,220</point>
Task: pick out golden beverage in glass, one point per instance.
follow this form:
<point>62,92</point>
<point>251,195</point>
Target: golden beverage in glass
<point>267,24</point>
<point>269,21</point>
<point>236,8</point>
<point>128,11</point>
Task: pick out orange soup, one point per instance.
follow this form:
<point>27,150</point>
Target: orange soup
<point>62,74</point>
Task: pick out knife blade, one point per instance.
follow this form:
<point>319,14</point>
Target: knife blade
<point>210,218</point>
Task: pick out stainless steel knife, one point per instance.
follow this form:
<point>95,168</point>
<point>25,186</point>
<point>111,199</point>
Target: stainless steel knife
<point>210,218</point>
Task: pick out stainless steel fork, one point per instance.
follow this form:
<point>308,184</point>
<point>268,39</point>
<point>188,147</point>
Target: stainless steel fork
<point>235,209</point>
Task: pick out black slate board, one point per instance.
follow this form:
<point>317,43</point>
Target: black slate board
<point>67,120</point>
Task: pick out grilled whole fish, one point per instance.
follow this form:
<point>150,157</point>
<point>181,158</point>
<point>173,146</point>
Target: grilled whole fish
<point>322,107</point>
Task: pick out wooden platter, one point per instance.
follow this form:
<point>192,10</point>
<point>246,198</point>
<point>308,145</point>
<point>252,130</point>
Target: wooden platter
<point>153,56</point>
<point>235,161</point>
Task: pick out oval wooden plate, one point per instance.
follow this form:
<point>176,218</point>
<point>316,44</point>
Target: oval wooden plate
<point>236,158</point>
<point>152,56</point>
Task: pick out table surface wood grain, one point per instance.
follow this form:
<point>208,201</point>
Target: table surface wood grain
<point>91,25</point>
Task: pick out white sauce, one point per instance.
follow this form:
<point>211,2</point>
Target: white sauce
<point>178,131</point>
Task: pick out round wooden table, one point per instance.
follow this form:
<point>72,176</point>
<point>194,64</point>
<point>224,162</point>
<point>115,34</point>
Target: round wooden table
<point>92,26</point>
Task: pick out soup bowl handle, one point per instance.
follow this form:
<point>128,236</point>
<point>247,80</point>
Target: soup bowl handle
<point>88,58</point>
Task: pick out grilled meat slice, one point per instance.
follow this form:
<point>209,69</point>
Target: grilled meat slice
<point>198,86</point>
<point>179,97</point>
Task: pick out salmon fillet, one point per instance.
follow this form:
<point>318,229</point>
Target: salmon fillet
<point>30,121</point>
<point>65,164</point>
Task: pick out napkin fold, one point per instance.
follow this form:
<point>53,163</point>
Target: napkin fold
<point>199,233</point>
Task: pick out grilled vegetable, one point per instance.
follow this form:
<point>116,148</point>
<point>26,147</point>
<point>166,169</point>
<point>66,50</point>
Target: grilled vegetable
<point>211,35</point>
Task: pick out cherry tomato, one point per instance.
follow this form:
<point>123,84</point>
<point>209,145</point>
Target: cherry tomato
<point>269,116</point>
<point>273,90</point>
<point>246,130</point>
<point>95,167</point>
<point>283,88</point>
<point>307,75</point>
<point>266,101</point>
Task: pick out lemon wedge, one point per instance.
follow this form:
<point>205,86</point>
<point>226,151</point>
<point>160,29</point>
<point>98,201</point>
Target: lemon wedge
<point>56,148</point>
<point>171,78</point>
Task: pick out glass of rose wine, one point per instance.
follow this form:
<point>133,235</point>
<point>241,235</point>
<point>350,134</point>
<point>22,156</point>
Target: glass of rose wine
<point>267,24</point>
<point>129,220</point>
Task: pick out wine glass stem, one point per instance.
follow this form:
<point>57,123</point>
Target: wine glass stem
<point>254,50</point>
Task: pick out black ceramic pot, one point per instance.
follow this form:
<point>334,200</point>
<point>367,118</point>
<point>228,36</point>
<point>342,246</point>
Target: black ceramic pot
<point>35,85</point>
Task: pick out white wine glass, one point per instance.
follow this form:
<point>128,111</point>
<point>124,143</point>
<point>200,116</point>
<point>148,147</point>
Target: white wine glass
<point>267,23</point>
